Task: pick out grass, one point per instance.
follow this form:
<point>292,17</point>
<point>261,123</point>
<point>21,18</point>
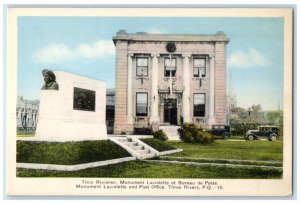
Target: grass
<point>221,149</point>
<point>25,133</point>
<point>241,137</point>
<point>237,137</point>
<point>68,153</point>
<point>260,153</point>
<point>141,169</point>
<point>221,161</point>
<point>158,144</point>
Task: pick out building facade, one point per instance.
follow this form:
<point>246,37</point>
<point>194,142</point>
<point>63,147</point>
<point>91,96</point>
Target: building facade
<point>231,98</point>
<point>27,112</point>
<point>166,79</point>
<point>231,102</point>
<point>110,110</point>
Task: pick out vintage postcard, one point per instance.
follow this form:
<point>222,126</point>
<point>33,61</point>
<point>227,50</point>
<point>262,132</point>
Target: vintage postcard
<point>149,101</point>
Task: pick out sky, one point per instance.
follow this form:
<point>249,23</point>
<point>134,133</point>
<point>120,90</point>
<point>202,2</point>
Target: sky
<point>83,45</point>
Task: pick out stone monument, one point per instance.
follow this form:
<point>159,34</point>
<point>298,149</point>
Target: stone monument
<point>72,108</point>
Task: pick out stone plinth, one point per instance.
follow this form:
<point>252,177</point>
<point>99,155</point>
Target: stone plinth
<point>59,121</point>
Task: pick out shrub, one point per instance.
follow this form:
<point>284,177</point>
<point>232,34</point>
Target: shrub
<point>241,129</point>
<point>193,134</point>
<point>158,144</point>
<point>161,135</point>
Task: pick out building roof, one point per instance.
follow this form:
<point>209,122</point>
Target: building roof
<point>143,36</point>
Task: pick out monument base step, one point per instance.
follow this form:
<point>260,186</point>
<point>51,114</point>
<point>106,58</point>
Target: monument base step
<point>135,147</point>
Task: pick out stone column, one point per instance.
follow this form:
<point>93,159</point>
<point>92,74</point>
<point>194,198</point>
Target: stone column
<point>186,113</point>
<point>154,89</point>
<point>211,109</point>
<point>129,89</point>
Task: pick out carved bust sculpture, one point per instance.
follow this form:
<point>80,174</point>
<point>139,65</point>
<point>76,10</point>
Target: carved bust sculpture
<point>49,78</point>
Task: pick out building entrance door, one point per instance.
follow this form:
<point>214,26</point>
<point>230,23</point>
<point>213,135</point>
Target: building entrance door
<point>170,111</point>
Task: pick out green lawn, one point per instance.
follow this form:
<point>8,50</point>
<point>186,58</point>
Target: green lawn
<point>263,152</point>
<point>142,169</point>
<point>223,149</point>
<point>220,161</point>
<point>68,153</point>
<point>158,144</point>
<point>25,133</point>
<point>237,137</point>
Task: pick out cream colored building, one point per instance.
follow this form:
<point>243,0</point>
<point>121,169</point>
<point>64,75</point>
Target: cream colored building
<point>166,79</point>
<point>27,112</point>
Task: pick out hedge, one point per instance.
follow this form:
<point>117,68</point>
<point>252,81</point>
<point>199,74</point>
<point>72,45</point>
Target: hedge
<point>68,153</point>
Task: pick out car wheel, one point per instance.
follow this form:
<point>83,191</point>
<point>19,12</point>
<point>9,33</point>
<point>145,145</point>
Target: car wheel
<point>250,137</point>
<point>273,137</point>
<point>225,136</point>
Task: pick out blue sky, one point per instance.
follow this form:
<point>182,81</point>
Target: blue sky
<point>83,45</point>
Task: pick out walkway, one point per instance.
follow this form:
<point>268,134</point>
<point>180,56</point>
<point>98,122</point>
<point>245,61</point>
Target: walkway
<point>219,162</point>
<point>211,164</point>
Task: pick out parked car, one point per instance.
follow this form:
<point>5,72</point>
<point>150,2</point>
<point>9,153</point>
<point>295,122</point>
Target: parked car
<point>266,131</point>
<point>220,131</point>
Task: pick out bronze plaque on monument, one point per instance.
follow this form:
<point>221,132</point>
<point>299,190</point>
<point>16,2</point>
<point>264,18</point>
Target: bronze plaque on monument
<point>84,99</point>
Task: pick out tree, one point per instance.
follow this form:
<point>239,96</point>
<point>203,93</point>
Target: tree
<point>280,125</point>
<point>276,118</point>
<point>273,117</point>
<point>238,109</point>
<point>255,108</point>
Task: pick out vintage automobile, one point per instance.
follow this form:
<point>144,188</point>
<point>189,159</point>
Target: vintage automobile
<point>266,131</point>
<point>222,131</point>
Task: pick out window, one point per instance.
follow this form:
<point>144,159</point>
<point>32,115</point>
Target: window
<point>199,105</point>
<point>199,67</point>
<point>141,104</point>
<point>142,66</point>
<point>170,67</point>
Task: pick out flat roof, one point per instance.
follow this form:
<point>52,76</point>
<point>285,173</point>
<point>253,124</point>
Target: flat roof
<point>220,36</point>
